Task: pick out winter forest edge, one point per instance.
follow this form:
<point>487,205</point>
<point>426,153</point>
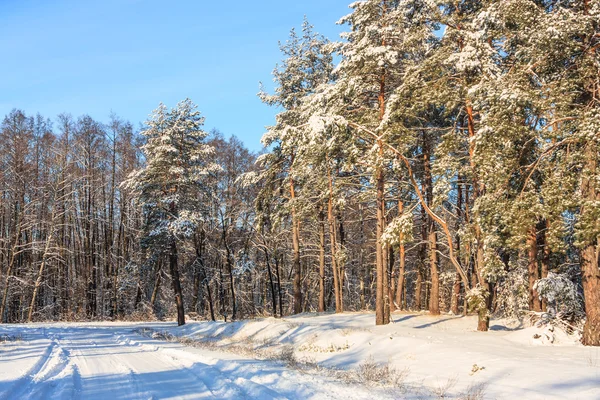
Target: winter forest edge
<point>444,156</point>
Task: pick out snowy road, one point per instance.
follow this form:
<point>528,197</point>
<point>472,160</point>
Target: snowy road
<point>435,357</point>
<point>107,362</point>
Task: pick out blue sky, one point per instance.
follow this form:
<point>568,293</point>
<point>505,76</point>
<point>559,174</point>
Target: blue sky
<point>94,57</point>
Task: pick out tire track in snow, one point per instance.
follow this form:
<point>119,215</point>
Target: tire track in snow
<point>249,388</point>
<point>21,385</point>
<point>59,377</point>
<point>80,362</point>
<point>124,360</point>
<point>157,353</point>
<point>219,383</point>
<point>49,364</point>
<point>117,363</point>
<point>72,371</point>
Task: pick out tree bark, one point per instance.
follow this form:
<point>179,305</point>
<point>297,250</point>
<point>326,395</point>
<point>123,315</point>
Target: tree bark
<point>339,307</point>
<point>174,270</point>
<point>434,296</point>
<point>483,323</point>
<point>40,275</point>
<point>484,315</point>
<point>382,300</point>
<point>391,261</point>
<point>545,259</point>
<point>157,279</point>
<point>401,262</point>
<point>297,285</point>
<point>321,260</point>
<point>280,295</point>
<point>9,271</point>
<point>382,306</point>
<point>590,271</point>
<point>400,299</point>
<point>535,303</point>
<point>229,263</point>
<point>271,284</point>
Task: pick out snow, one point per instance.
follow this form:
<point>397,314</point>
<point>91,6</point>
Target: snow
<point>434,355</point>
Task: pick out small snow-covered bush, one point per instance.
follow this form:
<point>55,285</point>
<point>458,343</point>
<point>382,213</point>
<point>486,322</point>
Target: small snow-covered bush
<point>565,304</point>
<point>332,348</point>
<point>474,392</point>
<point>288,356</point>
<point>513,294</point>
<point>561,294</point>
<point>371,373</point>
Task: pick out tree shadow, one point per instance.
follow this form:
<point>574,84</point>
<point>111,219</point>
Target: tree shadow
<point>439,321</point>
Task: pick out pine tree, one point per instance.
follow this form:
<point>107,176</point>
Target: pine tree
<point>307,65</point>
<point>368,74</point>
<point>568,67</point>
<point>171,184</point>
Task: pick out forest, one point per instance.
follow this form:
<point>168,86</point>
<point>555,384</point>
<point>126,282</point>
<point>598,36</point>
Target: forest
<point>443,156</point>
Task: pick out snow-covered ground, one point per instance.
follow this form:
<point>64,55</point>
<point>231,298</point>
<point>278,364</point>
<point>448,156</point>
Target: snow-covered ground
<point>429,357</point>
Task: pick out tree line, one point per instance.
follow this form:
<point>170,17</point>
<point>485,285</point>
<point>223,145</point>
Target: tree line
<point>443,156</point>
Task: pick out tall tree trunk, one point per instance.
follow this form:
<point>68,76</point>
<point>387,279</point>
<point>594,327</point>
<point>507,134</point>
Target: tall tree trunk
<point>9,271</point>
<point>196,290</point>
<point>271,283</point>
<point>205,280</point>
<point>121,242</point>
<point>434,294</point>
<point>459,211</point>
<point>297,285</point>
<point>483,323</point>
<point>339,306</point>
<point>483,313</point>
<point>391,261</point>
<point>221,291</point>
<point>157,279</point>
<point>535,303</point>
<point>280,295</point>
<point>545,259</point>
<point>590,271</point>
<point>382,300</point>
<point>422,261</point>
<point>229,262</point>
<point>382,306</point>
<point>400,287</point>
<point>340,247</point>
<point>364,267</point>
<point>211,307</point>
<point>402,263</point>
<point>40,275</point>
<point>174,270</point>
<point>418,288</point>
<point>321,260</point>
<point>110,232</point>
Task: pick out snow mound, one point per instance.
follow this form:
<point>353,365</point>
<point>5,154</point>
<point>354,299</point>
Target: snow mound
<point>543,336</point>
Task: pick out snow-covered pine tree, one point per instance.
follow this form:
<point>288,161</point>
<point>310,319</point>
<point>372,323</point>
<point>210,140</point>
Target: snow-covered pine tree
<point>566,62</point>
<point>537,130</point>
<point>326,161</point>
<point>368,74</point>
<point>170,185</point>
<point>418,118</point>
<point>505,119</point>
<point>307,64</point>
<point>465,57</point>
